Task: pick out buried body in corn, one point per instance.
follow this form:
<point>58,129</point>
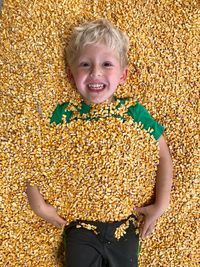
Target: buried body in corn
<point>164,51</point>
<point>97,170</point>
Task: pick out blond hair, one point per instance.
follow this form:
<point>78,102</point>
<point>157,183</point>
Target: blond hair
<point>99,31</point>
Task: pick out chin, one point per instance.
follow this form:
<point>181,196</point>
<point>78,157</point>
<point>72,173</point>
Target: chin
<point>97,101</point>
<point>94,100</point>
<point>102,100</point>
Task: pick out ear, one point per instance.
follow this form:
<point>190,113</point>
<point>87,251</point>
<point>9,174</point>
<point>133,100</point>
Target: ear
<point>70,75</point>
<point>124,76</point>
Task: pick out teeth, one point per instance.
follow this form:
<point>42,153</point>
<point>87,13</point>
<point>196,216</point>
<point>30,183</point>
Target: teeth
<point>96,85</point>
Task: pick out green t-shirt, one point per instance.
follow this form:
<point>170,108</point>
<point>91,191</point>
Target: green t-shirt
<point>136,111</point>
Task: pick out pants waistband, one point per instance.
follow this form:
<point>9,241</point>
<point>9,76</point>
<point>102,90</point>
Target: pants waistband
<point>116,228</point>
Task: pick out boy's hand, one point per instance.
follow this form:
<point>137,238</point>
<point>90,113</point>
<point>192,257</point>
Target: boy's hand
<point>49,214</point>
<point>151,214</point>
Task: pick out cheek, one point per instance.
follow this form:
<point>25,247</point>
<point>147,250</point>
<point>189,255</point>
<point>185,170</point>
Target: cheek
<point>114,76</point>
<point>81,75</point>
<point>115,79</point>
<point>78,78</point>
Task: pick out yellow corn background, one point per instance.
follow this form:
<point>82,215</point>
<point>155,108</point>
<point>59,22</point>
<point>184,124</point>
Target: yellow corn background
<point>163,76</point>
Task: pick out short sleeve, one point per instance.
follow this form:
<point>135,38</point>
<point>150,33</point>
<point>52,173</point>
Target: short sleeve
<point>58,113</point>
<point>139,113</point>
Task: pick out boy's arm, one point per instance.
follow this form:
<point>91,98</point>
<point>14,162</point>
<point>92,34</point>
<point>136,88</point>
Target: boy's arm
<point>164,176</point>
<point>43,209</point>
<point>163,187</point>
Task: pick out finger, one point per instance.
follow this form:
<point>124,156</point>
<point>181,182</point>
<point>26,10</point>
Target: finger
<point>147,231</point>
<point>141,210</point>
<point>144,228</point>
<point>151,228</point>
<point>58,224</point>
<point>61,220</point>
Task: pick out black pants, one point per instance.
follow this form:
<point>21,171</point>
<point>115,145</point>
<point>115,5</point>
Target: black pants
<point>84,248</point>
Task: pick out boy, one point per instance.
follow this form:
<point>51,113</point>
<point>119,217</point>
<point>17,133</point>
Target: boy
<point>97,58</point>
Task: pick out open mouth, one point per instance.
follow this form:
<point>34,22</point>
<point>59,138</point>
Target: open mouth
<point>96,87</point>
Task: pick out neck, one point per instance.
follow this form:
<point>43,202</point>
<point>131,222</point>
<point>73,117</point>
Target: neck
<point>107,101</point>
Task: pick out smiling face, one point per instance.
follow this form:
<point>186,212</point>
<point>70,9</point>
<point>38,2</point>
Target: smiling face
<point>97,73</point>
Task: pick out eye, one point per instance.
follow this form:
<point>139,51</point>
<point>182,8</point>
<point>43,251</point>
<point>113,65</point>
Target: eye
<point>107,64</point>
<point>84,64</point>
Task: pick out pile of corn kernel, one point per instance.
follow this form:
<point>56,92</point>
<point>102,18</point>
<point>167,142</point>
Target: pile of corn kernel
<point>95,170</point>
<point>163,76</point>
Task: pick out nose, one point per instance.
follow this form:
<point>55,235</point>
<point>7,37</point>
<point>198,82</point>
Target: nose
<point>95,71</point>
